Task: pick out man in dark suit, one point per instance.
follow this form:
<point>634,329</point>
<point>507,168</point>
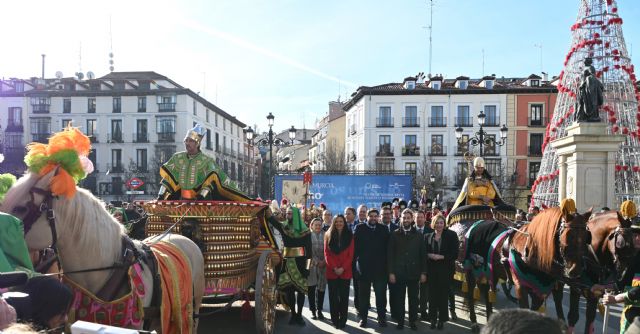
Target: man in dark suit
<point>423,227</point>
<point>387,221</point>
<point>406,258</point>
<point>370,258</point>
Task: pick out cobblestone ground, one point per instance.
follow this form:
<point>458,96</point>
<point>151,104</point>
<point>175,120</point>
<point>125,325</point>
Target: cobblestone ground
<point>229,321</point>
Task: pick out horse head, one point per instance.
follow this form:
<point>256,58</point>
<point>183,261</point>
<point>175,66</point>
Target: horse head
<point>573,239</point>
<point>31,201</point>
<point>620,245</point>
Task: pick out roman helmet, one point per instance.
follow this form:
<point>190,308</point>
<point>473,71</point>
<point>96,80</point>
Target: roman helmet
<point>197,133</point>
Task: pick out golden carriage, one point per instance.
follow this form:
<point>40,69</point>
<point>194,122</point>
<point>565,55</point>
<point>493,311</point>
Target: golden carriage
<point>239,251</point>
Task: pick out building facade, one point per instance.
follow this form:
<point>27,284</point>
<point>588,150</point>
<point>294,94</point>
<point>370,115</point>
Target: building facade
<point>135,120</point>
<point>411,126</point>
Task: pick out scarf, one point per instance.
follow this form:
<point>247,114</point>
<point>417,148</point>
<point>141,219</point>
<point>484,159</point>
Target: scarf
<point>296,228</point>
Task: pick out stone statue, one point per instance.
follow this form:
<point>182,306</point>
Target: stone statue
<point>590,95</point>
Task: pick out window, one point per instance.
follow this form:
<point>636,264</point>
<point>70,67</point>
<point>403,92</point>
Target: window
<point>226,167</point>
<point>66,106</point>
<point>384,164</point>
<point>166,129</point>
<point>233,153</point>
<point>410,166</point>
<point>217,142</point>
<point>142,104</point>
<point>117,103</point>
<point>166,103</point>
<point>536,115</point>
<point>116,131</point>
<point>216,120</point>
<point>463,145</point>
<point>491,116</point>
<point>91,132</point>
<point>535,144</point>
<point>233,170</point>
<point>94,159</point>
<point>410,140</point>
<point>384,145</point>
<point>436,169</point>
<point>14,140</point>
<point>40,104</point>
<point>224,124</point>
<point>410,146</point>
<point>94,86</point>
<point>144,85</point>
<point>141,131</point>
<point>490,149</point>
<point>463,118</point>
<point>384,117</point>
<point>437,145</point>
<point>488,84</point>
<point>410,116</point>
<point>462,172</point>
<point>15,118</point>
<point>535,83</point>
<point>40,129</point>
<point>116,161</point>
<point>224,145</point>
<point>493,167</point>
<point>141,160</point>
<point>231,126</point>
<point>116,185</point>
<point>66,123</point>
<point>534,168</point>
<point>165,152</point>
<point>462,84</point>
<point>195,108</point>
<point>208,139</point>
<point>91,105</point>
<point>437,116</point>
<point>118,85</point>
<point>435,85</point>
<point>19,86</point>
<point>206,115</point>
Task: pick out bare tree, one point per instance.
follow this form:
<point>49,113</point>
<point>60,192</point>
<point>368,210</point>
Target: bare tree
<point>423,178</point>
<point>334,158</point>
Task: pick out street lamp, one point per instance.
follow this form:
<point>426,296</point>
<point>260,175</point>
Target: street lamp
<point>479,137</point>
<point>270,141</point>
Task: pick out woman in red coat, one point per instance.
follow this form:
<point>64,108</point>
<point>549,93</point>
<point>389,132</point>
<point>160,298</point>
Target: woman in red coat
<point>338,253</point>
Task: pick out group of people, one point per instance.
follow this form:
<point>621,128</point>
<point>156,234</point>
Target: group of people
<point>409,256</point>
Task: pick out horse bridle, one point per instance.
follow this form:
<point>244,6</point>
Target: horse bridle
<point>565,225</point>
<point>34,211</point>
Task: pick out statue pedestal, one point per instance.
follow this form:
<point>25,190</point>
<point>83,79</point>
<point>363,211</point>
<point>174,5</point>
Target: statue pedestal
<point>587,157</point>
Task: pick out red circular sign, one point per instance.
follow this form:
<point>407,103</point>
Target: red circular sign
<point>135,183</point>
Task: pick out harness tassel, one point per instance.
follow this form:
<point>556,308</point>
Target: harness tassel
<point>492,296</point>
<point>465,287</point>
<point>246,310</point>
<point>476,293</point>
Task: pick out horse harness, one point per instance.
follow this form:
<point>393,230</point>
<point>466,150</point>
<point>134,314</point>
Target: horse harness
<point>119,276</point>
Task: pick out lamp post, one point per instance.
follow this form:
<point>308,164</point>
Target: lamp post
<point>479,137</point>
<point>270,140</point>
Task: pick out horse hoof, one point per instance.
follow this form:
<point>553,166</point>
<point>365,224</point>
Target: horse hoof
<point>475,328</point>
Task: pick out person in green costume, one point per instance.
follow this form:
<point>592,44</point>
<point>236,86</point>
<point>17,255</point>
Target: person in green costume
<point>296,239</point>
<point>192,175</point>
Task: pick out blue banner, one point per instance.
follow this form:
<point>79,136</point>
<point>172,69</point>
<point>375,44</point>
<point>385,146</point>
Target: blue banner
<point>341,191</point>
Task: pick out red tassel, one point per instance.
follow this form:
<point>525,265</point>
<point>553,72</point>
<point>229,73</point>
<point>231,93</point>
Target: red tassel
<point>246,311</point>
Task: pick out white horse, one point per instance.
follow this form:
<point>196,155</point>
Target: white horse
<point>88,237</point>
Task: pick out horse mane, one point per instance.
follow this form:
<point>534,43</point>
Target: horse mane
<point>542,229</point>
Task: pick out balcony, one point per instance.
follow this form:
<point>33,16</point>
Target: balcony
<point>384,122</point>
<point>461,150</point>
<point>40,137</point>
<point>384,151</point>
<point>464,121</point>
<point>166,137</point>
<point>115,168</point>
<point>117,109</point>
<point>410,151</point>
<point>437,151</point>
<point>14,125</point>
<point>491,121</point>
<point>411,122</point>
<point>233,153</point>
<point>142,109</point>
<point>352,129</point>
<point>164,107</point>
<point>93,137</point>
<point>437,122</point>
<point>536,122</point>
<point>142,168</point>
<point>115,137</point>
<point>534,151</point>
<point>41,108</point>
<point>141,137</point>
<point>226,151</point>
<point>490,151</point>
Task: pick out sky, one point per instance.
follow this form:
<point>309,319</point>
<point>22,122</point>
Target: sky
<point>291,57</point>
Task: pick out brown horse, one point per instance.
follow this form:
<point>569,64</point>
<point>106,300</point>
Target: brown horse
<point>549,248</point>
<point>610,254</point>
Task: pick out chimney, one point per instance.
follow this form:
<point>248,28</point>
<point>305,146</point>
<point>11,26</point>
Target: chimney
<point>43,55</point>
<point>545,76</point>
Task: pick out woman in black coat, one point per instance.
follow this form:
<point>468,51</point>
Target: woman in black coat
<point>442,251</point>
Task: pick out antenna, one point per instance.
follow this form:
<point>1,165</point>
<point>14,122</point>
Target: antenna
<point>204,84</point>
<point>430,27</point>
<point>80,58</point>
<point>111,46</point>
<point>482,62</point>
<point>539,45</point>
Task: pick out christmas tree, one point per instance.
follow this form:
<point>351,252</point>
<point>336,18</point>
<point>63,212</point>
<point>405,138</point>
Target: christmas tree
<point>597,34</point>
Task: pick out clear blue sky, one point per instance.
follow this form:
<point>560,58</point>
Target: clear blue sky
<point>290,57</point>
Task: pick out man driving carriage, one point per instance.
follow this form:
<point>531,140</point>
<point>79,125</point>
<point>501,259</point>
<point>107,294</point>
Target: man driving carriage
<point>192,175</point>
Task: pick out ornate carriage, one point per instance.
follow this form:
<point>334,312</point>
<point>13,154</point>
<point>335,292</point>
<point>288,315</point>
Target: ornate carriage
<point>233,236</point>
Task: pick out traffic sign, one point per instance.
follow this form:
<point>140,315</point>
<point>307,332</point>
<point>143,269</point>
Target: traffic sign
<point>135,183</point>
<point>135,192</point>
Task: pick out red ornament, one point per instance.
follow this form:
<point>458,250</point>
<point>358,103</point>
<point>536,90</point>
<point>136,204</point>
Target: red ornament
<point>607,44</point>
<point>625,130</point>
<point>625,167</point>
<point>636,169</point>
<point>618,168</point>
<point>612,119</point>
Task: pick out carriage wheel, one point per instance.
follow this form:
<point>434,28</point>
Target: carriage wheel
<point>265,296</point>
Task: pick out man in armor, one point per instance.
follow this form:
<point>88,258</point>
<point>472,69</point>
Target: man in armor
<point>478,188</point>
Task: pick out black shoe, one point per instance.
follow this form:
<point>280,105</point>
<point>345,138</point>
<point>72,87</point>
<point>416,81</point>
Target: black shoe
<point>454,316</point>
<point>382,322</point>
<point>313,315</point>
<point>400,326</point>
<point>433,325</point>
<point>363,323</point>
<point>440,325</point>
<point>413,326</point>
<point>293,320</point>
<point>320,315</point>
<point>300,321</point>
